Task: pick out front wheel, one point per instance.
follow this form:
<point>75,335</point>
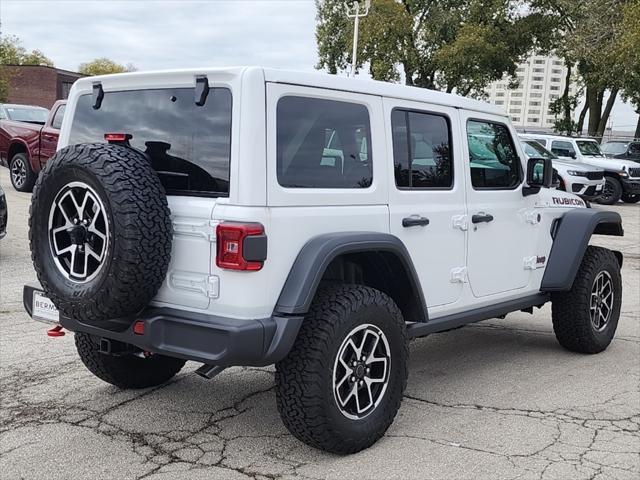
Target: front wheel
<point>586,317</point>
<point>341,385</point>
<point>23,177</point>
<point>611,192</point>
<point>630,198</point>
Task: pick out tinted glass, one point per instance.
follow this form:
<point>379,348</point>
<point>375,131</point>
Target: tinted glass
<point>57,119</point>
<point>494,161</point>
<point>323,144</point>
<point>533,149</point>
<point>189,146</point>
<point>27,114</point>
<point>634,148</point>
<point>563,149</point>
<point>588,148</point>
<point>421,150</point>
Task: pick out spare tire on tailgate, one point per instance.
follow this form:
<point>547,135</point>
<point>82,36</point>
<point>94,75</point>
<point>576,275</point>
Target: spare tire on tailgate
<point>100,231</point>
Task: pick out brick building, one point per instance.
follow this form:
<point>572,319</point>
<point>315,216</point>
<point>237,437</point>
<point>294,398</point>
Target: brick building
<point>38,84</point>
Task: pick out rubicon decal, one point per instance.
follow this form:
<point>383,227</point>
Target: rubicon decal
<point>567,201</point>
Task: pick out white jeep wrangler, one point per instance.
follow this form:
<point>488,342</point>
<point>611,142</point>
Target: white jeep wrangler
<point>247,216</point>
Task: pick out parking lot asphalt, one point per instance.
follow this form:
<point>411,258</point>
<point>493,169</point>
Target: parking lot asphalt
<point>495,400</point>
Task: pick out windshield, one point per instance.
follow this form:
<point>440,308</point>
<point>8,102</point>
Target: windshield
<point>189,146</point>
<point>588,147</point>
<point>27,114</point>
<point>614,148</point>
<point>534,149</point>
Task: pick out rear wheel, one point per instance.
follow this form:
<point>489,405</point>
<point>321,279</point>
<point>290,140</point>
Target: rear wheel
<point>22,177</point>
<point>586,317</point>
<point>611,192</point>
<point>132,370</point>
<point>630,198</point>
<point>341,385</point>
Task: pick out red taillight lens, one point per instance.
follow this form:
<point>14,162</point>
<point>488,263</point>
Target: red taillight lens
<point>241,246</point>
<point>117,137</point>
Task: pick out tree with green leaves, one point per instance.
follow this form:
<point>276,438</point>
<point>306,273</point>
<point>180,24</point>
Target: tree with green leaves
<point>102,66</point>
<point>460,45</point>
<point>627,53</point>
<point>13,53</point>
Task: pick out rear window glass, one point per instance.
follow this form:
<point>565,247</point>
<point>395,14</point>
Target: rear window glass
<point>323,144</point>
<point>189,146</point>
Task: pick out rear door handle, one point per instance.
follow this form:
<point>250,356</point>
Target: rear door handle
<point>481,217</point>
<point>415,221</point>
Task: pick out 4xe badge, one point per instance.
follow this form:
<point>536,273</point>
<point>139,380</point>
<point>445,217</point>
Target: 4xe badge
<point>567,201</point>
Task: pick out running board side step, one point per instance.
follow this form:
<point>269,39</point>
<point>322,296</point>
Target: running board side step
<point>209,371</point>
<point>448,322</point>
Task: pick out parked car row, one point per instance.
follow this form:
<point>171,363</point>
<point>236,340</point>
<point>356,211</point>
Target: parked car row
<point>28,137</point>
<point>621,172</point>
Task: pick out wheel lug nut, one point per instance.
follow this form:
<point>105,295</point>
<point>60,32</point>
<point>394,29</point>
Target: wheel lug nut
<point>363,358</point>
<point>368,369</point>
<point>361,383</point>
<point>353,379</point>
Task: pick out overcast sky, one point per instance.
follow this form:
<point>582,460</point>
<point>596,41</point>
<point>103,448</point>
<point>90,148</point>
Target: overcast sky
<point>156,34</point>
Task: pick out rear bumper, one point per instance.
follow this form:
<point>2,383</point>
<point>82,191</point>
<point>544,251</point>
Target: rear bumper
<point>199,337</point>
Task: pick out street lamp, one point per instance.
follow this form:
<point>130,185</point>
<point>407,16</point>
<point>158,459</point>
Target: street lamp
<point>353,11</point>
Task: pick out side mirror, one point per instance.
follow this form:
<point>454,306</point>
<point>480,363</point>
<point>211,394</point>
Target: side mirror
<point>540,172</point>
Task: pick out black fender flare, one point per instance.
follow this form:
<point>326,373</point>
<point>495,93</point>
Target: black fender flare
<point>571,234</point>
<point>316,255</point>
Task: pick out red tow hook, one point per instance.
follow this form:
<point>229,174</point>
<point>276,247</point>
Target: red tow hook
<point>56,332</point>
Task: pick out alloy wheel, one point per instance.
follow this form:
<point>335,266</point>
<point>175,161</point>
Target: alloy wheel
<point>601,303</point>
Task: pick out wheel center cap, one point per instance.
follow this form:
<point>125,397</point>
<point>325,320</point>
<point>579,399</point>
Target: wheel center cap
<point>78,235</point>
<point>360,370</point>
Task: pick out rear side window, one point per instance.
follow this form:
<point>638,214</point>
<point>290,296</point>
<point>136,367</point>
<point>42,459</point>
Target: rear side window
<point>322,144</point>
<point>494,162</point>
<point>57,119</point>
<point>188,145</point>
<point>634,148</point>
<point>421,150</point>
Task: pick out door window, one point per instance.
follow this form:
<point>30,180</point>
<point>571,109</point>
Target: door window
<point>493,159</point>
<point>322,144</point>
<point>421,150</point>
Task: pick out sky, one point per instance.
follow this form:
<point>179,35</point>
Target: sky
<point>158,34</point>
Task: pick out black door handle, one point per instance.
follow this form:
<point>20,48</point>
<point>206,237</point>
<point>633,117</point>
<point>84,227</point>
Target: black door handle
<point>482,217</point>
<point>415,222</point>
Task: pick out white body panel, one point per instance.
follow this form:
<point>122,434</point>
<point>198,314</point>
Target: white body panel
<point>494,254</point>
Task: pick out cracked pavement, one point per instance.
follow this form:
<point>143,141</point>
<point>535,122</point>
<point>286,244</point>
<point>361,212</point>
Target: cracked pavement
<point>497,400</point>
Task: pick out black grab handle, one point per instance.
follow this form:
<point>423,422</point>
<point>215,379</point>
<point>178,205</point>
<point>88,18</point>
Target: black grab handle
<point>482,217</point>
<point>415,222</point>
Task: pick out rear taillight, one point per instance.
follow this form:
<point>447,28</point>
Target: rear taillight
<point>241,246</point>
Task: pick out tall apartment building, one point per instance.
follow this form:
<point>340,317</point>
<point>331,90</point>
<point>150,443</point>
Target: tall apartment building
<point>541,81</point>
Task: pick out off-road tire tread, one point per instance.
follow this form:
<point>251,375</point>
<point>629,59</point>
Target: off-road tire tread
<point>126,371</point>
<point>617,192</point>
<point>299,381</point>
<point>140,213</point>
<point>569,310</point>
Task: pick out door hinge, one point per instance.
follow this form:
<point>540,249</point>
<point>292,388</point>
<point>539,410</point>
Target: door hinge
<point>459,275</point>
<point>530,262</point>
<point>201,228</point>
<point>208,286</point>
<point>460,221</point>
<point>533,217</point>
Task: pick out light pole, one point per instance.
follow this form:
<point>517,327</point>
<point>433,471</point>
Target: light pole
<point>356,14</point>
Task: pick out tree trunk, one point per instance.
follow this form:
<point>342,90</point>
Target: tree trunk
<point>637,134</point>
<point>607,111</point>
<point>583,114</point>
<point>595,109</point>
<point>565,100</point>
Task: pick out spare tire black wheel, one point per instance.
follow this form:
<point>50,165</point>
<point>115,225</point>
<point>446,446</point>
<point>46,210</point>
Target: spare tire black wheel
<point>100,231</point>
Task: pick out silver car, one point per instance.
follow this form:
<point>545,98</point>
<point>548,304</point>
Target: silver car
<point>582,179</point>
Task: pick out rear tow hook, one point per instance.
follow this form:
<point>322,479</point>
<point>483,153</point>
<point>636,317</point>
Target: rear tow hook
<point>56,331</point>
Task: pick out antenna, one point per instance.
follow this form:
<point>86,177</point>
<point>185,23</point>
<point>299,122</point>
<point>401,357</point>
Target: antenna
<point>353,11</point>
